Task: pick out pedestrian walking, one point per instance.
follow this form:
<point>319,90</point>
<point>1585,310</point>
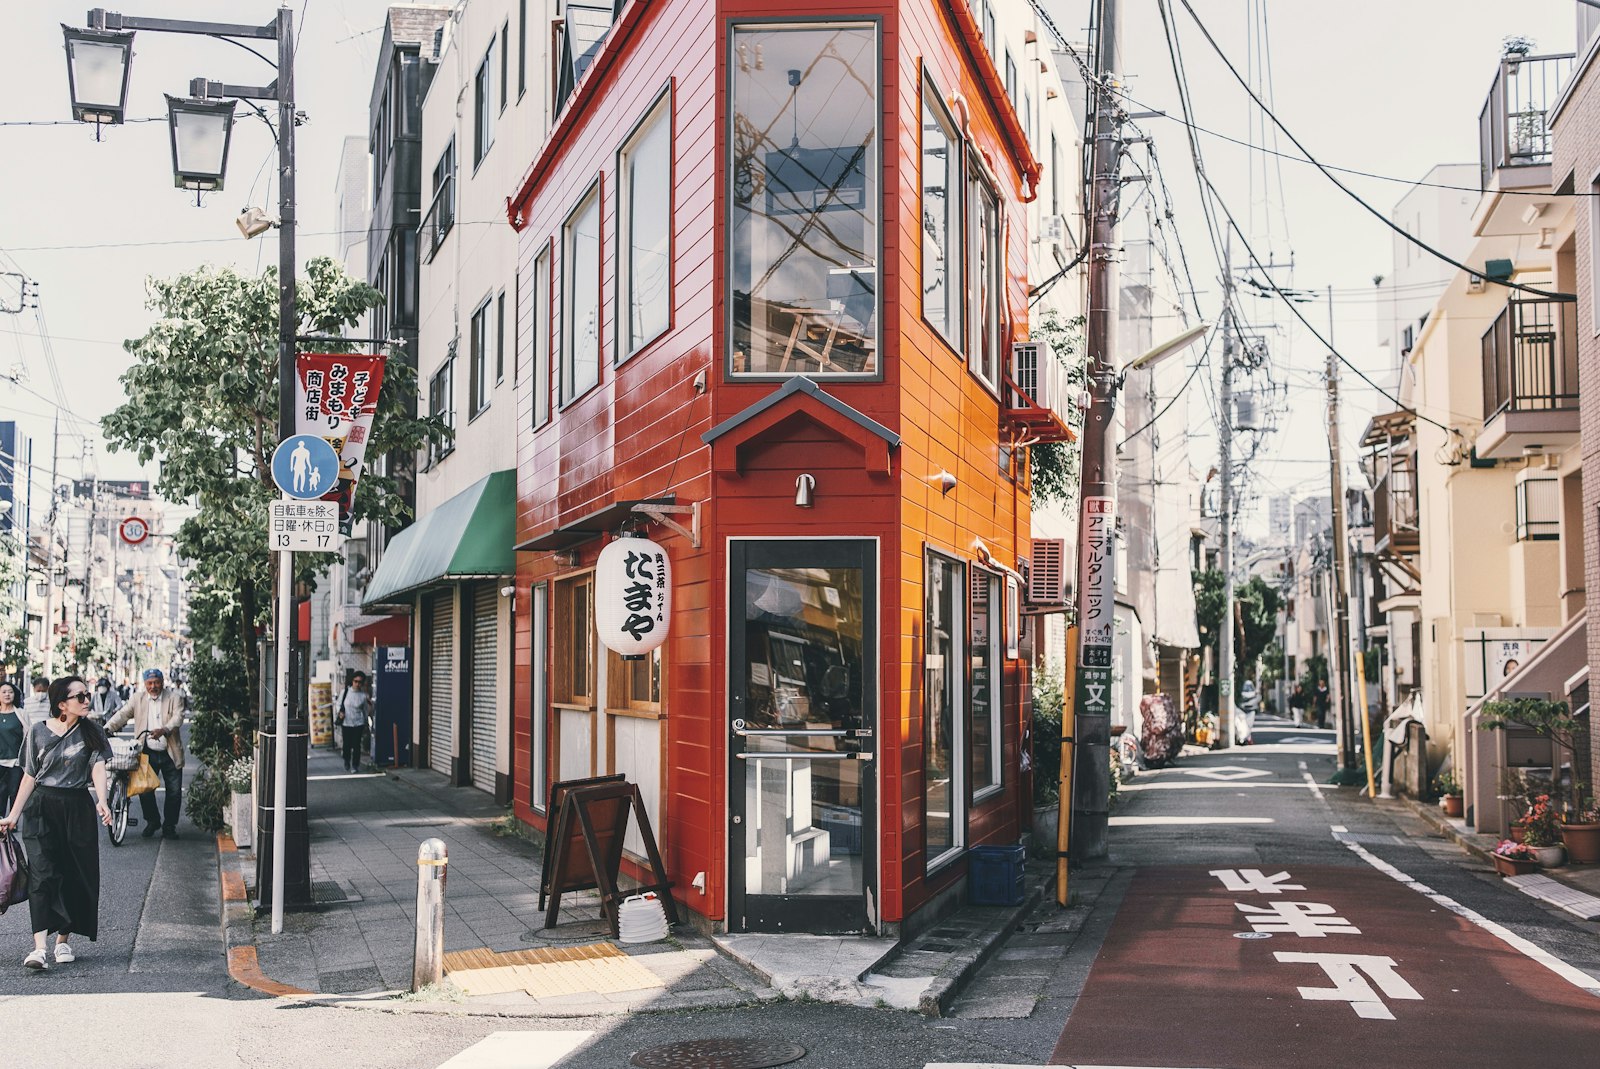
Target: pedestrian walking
<point>61,758</point>
<point>105,701</point>
<point>38,705</point>
<point>1320,703</point>
<point>355,712</point>
<point>1297,704</point>
<point>158,709</point>
<point>11,731</point>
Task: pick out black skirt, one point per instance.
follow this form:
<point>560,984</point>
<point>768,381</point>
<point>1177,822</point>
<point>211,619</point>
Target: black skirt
<point>62,838</point>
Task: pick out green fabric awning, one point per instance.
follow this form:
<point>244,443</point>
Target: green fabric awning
<point>467,537</point>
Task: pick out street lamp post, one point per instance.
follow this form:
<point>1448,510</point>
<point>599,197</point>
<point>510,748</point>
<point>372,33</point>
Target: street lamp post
<point>98,65</point>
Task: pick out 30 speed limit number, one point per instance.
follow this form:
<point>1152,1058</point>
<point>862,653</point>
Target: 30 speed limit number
<point>303,526</point>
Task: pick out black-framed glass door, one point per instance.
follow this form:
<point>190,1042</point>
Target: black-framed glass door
<point>802,730</point>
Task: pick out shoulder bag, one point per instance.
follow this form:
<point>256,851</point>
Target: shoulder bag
<point>143,778</point>
<point>13,872</point>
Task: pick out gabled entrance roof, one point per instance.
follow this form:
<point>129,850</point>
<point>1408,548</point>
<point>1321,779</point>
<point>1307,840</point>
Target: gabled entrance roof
<point>800,395</point>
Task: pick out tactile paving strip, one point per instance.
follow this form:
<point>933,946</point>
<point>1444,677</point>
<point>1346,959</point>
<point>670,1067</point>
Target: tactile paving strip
<point>599,968</point>
<point>1557,894</point>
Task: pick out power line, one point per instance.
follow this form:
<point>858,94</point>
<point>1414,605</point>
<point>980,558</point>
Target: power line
<point>1352,194</point>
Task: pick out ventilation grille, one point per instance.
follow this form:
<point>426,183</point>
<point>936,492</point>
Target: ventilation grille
<point>1047,576</point>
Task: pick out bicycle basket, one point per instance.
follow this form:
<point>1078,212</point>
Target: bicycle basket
<point>124,755</point>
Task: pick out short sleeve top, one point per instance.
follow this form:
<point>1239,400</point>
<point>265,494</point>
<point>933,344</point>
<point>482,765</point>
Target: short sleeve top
<point>59,761</point>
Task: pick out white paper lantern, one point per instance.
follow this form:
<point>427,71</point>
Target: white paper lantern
<point>632,596</point>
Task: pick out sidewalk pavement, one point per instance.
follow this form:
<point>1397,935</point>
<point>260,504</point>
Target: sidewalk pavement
<point>355,947</point>
<point>1584,878</point>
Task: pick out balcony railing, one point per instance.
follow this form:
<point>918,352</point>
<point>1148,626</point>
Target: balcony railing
<point>440,218</point>
<point>1530,359</point>
<point>1514,126</point>
<point>1394,508</point>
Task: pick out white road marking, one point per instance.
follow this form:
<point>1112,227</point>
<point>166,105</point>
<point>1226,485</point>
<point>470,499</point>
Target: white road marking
<point>518,1050</point>
<point>1256,880</point>
<point>1576,977</point>
<point>1178,785</point>
<point>1128,822</point>
<point>1309,920</point>
<point>1349,986</point>
<point>1225,772</point>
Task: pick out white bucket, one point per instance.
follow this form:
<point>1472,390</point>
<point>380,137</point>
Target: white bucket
<point>641,919</point>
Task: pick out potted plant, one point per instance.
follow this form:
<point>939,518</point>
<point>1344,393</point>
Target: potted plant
<point>1580,833</point>
<point>1514,859</point>
<point>1046,760</point>
<point>1542,832</point>
<point>1449,791</point>
<point>241,802</point>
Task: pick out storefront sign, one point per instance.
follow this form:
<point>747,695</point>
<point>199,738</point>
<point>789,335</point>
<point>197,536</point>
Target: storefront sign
<point>1096,563</point>
<point>336,399</point>
<point>632,596</point>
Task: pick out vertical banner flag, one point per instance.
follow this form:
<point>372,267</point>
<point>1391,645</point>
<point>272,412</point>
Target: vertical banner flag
<point>336,399</point>
<point>1097,629</point>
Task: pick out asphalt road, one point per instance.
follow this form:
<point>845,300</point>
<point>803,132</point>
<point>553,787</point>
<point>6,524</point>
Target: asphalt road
<point>1156,976</point>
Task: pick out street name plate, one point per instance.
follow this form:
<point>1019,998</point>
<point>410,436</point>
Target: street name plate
<point>297,526</point>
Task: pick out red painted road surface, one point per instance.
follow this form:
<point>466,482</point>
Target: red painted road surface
<point>1413,985</point>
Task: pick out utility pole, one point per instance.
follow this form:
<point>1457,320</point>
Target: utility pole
<point>1339,641</point>
<point>48,630</point>
<point>1225,654</point>
<point>1095,595</point>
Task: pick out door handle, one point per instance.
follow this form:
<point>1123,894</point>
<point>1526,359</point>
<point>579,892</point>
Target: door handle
<point>746,732</point>
<point>802,755</point>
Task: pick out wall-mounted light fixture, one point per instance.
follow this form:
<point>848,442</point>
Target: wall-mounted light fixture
<point>803,488</point>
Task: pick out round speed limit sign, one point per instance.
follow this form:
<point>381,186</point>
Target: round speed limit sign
<point>133,530</point>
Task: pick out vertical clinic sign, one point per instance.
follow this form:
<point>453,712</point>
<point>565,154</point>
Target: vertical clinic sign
<point>1097,629</point>
<point>336,400</point>
<point>632,596</point>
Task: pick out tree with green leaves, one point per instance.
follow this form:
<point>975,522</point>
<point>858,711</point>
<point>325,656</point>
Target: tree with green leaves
<point>1053,466</point>
<point>202,397</point>
<point>13,633</point>
<point>1255,622</point>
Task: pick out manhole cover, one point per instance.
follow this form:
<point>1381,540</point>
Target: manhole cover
<point>1252,935</point>
<point>721,1053</point>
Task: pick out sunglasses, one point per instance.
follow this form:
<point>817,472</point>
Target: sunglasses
<point>79,696</point>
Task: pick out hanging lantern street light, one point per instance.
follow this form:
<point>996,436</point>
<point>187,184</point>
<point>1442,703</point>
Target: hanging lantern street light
<point>97,74</point>
<point>201,130</point>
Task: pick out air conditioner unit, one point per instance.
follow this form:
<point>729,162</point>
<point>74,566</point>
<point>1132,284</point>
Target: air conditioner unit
<point>1048,573</point>
<point>1038,375</point>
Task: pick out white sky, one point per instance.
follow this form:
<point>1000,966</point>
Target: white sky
<point>1390,86</point>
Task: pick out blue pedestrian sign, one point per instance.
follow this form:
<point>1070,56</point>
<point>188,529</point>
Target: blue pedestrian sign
<point>305,467</point>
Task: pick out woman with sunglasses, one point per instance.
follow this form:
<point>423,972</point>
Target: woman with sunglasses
<point>61,758</point>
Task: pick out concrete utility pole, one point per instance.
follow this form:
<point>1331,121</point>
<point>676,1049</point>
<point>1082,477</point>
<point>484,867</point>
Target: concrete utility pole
<point>49,628</point>
<point>1095,594</point>
<point>1225,655</point>
<point>1339,641</point>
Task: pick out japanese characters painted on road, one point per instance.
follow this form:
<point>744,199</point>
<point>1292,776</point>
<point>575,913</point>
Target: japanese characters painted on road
<point>133,530</point>
<point>1097,629</point>
<point>304,466</point>
<point>336,399</point>
<point>632,596</point>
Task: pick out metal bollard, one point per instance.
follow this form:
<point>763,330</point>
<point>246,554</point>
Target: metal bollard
<point>433,864</point>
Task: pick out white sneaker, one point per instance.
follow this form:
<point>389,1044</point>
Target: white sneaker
<point>64,954</point>
<point>35,960</point>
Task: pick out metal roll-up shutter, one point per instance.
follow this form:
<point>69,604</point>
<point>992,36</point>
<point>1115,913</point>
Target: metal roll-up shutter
<point>441,685</point>
<point>485,682</point>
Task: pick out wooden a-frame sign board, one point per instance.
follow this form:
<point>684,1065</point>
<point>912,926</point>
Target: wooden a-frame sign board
<point>583,851</point>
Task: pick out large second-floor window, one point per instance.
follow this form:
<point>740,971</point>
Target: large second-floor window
<point>441,404</point>
<point>941,219</point>
<point>803,172</point>
<point>644,214</point>
<point>478,358</point>
<point>984,280</point>
<point>580,349</point>
<point>483,106</point>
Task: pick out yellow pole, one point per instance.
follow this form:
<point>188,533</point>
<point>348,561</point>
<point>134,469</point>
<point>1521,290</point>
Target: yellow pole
<point>1064,786</point>
<point>1366,721</point>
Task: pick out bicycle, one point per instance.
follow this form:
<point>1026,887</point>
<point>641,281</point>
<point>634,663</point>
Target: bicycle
<point>124,759</point>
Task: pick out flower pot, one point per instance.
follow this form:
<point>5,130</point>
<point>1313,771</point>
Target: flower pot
<point>1046,821</point>
<point>1582,842</point>
<point>1550,856</point>
<point>1511,866</point>
<point>1516,832</point>
<point>241,818</point>
<point>1452,805</point>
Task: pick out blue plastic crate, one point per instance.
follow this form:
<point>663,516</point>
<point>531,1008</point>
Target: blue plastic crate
<point>994,875</point>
